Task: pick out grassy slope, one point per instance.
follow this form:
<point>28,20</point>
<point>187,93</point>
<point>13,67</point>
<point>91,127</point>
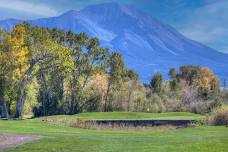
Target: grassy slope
<point>66,139</point>
<point>132,115</point>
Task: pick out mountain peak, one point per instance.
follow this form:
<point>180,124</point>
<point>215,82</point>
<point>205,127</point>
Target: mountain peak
<point>108,5</point>
<point>109,8</point>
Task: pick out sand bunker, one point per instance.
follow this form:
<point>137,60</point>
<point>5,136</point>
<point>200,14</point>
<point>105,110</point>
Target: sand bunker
<point>11,140</point>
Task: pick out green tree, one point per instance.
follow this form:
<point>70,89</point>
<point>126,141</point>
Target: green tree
<point>54,68</point>
<point>190,73</point>
<point>89,58</point>
<point>116,73</point>
<point>173,82</point>
<point>156,83</point>
<point>172,73</point>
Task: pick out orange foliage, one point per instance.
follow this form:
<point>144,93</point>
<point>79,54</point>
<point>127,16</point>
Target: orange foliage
<point>208,81</point>
<point>100,84</point>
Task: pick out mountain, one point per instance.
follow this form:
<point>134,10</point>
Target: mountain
<point>146,44</point>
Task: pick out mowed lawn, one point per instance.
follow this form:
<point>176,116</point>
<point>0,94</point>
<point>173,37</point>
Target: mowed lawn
<point>66,139</point>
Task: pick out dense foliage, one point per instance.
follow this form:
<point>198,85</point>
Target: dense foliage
<point>49,71</point>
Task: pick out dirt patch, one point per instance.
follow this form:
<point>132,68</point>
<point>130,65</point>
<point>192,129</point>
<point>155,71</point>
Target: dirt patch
<point>11,140</point>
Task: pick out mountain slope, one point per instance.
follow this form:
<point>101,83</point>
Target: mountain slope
<point>147,45</point>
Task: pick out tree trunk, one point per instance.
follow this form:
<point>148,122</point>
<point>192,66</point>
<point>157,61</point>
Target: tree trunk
<point>20,102</point>
<point>129,100</point>
<point>22,93</point>
<point>74,103</point>
<point>4,109</point>
<point>45,96</point>
<point>131,90</point>
<point>106,98</point>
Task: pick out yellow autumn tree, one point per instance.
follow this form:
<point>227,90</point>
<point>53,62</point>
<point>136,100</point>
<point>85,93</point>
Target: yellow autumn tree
<point>207,82</point>
<point>17,50</point>
<point>5,73</point>
<point>13,57</point>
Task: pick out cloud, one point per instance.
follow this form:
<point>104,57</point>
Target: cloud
<point>28,7</point>
<point>208,25</point>
<point>205,33</point>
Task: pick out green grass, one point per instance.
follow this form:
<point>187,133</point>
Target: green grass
<point>66,139</point>
<point>131,115</point>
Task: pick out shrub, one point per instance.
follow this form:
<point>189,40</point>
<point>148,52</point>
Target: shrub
<point>224,96</point>
<point>203,107</point>
<point>174,105</point>
<point>219,116</point>
<point>154,104</point>
<point>93,104</point>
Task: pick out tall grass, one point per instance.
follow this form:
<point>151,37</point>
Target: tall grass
<point>219,116</point>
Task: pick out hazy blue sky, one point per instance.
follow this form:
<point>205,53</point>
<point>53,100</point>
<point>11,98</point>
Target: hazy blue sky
<point>203,20</point>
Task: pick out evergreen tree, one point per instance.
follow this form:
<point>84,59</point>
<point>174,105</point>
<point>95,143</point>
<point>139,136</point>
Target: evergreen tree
<point>156,83</point>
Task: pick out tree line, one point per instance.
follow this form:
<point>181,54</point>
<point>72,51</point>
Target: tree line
<point>53,67</point>
<point>50,71</point>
